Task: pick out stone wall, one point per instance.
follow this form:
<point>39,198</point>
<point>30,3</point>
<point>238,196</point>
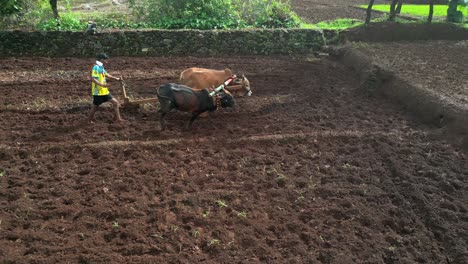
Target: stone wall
<point>161,43</point>
<point>213,42</point>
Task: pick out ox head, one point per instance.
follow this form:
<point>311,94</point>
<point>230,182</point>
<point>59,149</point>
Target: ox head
<point>245,84</point>
<point>225,98</point>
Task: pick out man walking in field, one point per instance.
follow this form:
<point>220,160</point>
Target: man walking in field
<point>99,88</point>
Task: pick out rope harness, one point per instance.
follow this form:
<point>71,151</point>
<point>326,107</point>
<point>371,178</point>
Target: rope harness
<point>222,86</point>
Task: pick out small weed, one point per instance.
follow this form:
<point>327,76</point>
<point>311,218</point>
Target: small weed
<point>115,224</point>
<point>346,166</point>
<point>281,177</point>
<point>174,228</point>
<point>242,214</point>
<point>392,248</point>
<point>213,242</point>
<point>301,197</point>
<point>196,233</point>
<point>205,214</point>
<point>244,160</point>
<point>22,214</point>
<point>157,236</point>
<point>39,103</point>
<point>221,203</point>
<point>2,173</point>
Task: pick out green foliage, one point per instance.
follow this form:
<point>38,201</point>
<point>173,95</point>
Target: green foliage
<point>167,14</point>
<point>28,14</point>
<point>10,7</point>
<point>67,21</point>
<point>203,14</point>
<point>116,20</point>
<point>274,14</point>
<point>215,14</point>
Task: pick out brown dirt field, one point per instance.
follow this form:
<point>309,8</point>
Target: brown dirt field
<point>314,11</point>
<point>437,66</point>
<point>307,170</point>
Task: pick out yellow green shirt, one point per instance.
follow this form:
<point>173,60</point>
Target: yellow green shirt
<point>99,73</point>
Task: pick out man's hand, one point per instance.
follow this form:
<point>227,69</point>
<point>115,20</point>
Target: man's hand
<point>115,78</point>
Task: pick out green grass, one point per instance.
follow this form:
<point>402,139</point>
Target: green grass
<point>341,23</point>
<point>417,10</point>
<point>345,23</point>
<point>307,25</point>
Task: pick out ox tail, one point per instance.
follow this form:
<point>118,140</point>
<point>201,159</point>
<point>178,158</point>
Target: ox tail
<point>182,76</point>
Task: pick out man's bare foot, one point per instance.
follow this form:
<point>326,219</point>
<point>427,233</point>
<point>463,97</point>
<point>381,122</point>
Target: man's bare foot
<point>121,120</point>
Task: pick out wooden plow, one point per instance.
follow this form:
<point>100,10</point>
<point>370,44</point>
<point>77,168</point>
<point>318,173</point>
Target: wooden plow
<point>133,104</point>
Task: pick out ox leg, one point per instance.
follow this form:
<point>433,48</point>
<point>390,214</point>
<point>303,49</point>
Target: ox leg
<point>162,114</point>
<point>164,108</point>
<point>194,116</point>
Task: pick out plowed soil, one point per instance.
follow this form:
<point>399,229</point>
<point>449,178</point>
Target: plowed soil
<point>437,66</point>
<point>306,170</point>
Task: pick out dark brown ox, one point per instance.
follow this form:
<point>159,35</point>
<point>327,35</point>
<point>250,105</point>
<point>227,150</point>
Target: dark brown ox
<point>200,78</point>
<point>186,99</point>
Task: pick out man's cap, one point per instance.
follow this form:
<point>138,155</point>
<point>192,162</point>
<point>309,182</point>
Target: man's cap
<point>102,56</point>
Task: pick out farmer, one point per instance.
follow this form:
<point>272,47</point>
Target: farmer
<point>99,88</point>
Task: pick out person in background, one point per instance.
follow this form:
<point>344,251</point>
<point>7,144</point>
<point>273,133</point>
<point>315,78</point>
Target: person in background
<point>99,88</point>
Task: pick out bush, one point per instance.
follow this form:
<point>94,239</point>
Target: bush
<point>28,13</point>
<point>114,20</point>
<point>10,7</point>
<point>272,14</point>
<point>215,14</point>
<point>67,21</point>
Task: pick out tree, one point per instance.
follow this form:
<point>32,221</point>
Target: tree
<point>392,15</point>
<point>400,4</point>
<point>369,11</point>
<point>431,11</point>
<point>53,5</point>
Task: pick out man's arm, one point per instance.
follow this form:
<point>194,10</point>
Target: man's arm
<point>94,80</point>
<point>95,76</point>
<point>113,77</point>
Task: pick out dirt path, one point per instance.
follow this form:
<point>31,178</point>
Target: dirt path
<point>307,170</point>
<point>314,11</point>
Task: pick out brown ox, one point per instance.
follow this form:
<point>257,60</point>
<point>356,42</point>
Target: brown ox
<point>201,78</point>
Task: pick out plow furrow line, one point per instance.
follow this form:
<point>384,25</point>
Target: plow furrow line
<point>270,137</point>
